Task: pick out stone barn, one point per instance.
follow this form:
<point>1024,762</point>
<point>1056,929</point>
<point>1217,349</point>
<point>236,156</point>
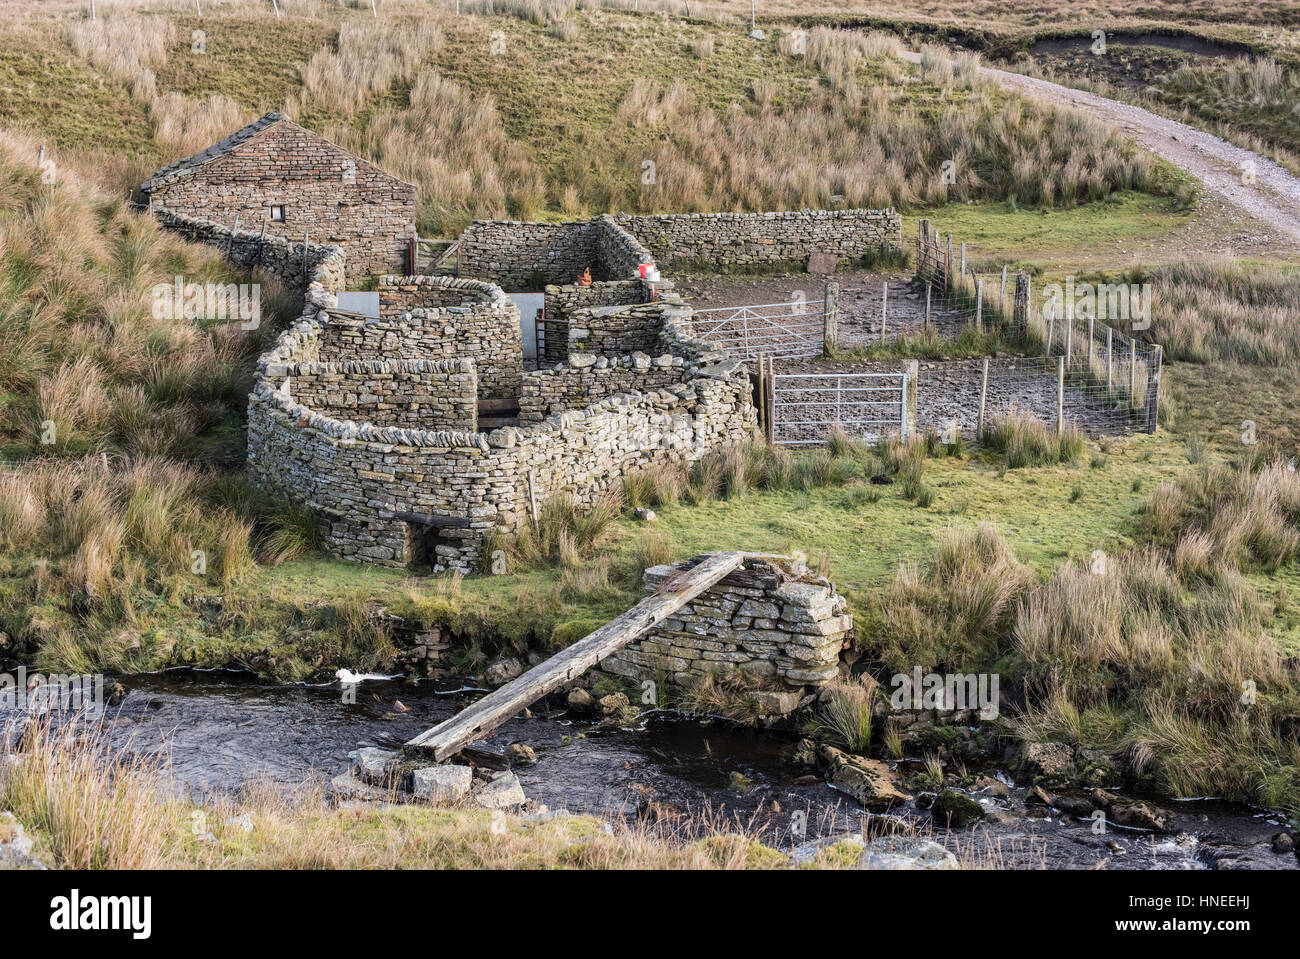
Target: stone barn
<point>274,174</point>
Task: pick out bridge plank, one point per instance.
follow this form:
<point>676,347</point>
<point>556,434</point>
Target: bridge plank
<point>485,716</point>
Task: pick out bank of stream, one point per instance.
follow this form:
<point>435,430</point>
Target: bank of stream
<point>220,731</point>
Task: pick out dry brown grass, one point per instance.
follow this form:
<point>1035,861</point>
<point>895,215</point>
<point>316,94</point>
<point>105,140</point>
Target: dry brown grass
<point>451,144</point>
<point>97,808</point>
<point>868,143</point>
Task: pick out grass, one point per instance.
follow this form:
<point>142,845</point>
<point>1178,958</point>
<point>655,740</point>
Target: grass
<point>748,125</point>
<point>92,808</point>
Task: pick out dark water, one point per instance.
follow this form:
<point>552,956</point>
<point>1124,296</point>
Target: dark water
<point>1169,41</point>
<point>222,731</point>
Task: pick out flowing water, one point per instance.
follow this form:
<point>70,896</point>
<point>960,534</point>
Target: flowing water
<point>220,731</point>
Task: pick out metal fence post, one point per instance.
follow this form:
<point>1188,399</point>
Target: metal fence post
<point>927,306</point>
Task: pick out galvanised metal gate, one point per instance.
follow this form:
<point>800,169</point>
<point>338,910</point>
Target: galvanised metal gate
<point>807,406</point>
<point>775,330</point>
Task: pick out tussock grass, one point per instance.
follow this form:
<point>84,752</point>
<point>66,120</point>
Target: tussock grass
<point>958,611</point>
<point>1025,440</point>
<point>80,347</point>
<point>1223,516</point>
<point>844,715</point>
<point>1227,310</point>
<point>1147,654</point>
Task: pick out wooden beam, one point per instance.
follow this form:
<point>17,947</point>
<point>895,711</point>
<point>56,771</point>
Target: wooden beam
<point>485,716</point>
<point>430,519</point>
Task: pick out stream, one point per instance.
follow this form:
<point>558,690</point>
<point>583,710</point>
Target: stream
<point>221,731</point>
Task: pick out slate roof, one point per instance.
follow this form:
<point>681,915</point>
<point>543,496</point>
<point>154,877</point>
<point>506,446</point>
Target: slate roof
<point>182,168</point>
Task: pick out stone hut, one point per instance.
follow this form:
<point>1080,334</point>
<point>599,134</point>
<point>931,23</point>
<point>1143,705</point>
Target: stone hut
<point>277,176</point>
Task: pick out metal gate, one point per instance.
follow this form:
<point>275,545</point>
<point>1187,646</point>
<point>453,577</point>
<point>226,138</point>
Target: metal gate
<point>776,330</point>
<point>807,406</point>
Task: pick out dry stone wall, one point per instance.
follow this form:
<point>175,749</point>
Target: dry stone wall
<point>402,294</point>
<point>729,240</point>
<point>484,329</point>
<point>523,256</point>
<point>427,394</point>
<point>561,302</point>
<point>369,482</point>
<point>770,621</point>
<point>291,264</point>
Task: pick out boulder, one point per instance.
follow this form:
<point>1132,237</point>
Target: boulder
<point>15,845</point>
<point>955,810</point>
<point>502,792</point>
<point>580,701</point>
<point>1139,815</point>
<point>375,766</point>
<point>442,784</point>
<point>1049,762</point>
<point>769,702</point>
<point>502,671</point>
<point>520,754</point>
<point>869,781</point>
<point>905,852</point>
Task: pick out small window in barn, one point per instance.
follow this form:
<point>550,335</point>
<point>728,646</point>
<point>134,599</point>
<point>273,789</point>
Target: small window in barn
<point>277,213</point>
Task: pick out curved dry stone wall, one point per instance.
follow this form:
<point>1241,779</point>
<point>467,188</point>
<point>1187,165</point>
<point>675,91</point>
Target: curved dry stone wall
<point>428,394</point>
<point>773,623</point>
<point>398,494</point>
<point>438,317</point>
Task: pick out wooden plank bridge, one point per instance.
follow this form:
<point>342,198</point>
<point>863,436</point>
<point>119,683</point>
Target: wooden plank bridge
<point>485,716</point>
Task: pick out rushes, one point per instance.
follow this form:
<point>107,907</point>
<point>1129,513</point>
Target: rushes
<point>845,714</point>
<point>1227,310</point>
<point>1024,440</point>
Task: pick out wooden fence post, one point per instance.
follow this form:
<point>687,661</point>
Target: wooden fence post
<point>947,270</point>
<point>979,304</point>
<point>984,393</point>
<point>884,308</point>
<point>1132,371</point>
<point>1060,395</point>
<point>830,318</point>
<point>1110,361</point>
<point>1051,321</point>
<point>1153,389</point>
<point>1020,311</point>
<point>910,369</point>
<point>927,306</point>
<point>963,263</point>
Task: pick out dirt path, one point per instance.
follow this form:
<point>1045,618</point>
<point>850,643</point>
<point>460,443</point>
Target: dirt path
<point>1273,198</point>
